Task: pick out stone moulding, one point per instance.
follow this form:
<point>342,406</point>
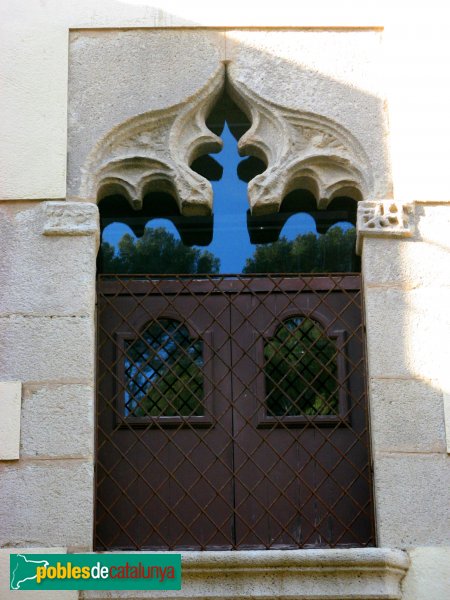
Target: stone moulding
<point>383,218</point>
<point>70,218</point>
<point>153,152</point>
<point>301,150</point>
<point>362,574</point>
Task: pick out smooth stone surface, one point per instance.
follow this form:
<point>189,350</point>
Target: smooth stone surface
<point>58,421</point>
<point>44,503</point>
<point>10,402</point>
<point>428,577</point>
<point>406,416</point>
<point>412,499</point>
<point>405,333</point>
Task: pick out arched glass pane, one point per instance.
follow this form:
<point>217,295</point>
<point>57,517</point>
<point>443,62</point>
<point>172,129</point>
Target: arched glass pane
<point>163,372</point>
<point>301,370</point>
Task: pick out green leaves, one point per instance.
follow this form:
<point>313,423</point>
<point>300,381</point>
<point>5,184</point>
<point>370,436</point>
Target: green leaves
<point>332,252</point>
<point>300,369</point>
<point>159,252</point>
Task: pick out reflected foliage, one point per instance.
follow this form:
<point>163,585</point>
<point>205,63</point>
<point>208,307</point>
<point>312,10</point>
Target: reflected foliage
<point>301,370</point>
<point>163,372</point>
<point>332,252</point>
<point>157,251</point>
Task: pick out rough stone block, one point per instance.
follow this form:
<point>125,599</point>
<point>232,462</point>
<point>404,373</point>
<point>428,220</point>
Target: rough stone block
<point>7,594</point>
<point>406,416</point>
<point>406,263</point>
<point>46,503</point>
<point>412,499</point>
<point>58,421</point>
<point>428,577</point>
<point>406,333</point>
<point>46,348</point>
<point>10,402</point>
<point>40,274</point>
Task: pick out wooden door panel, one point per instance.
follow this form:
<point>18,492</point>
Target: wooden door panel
<point>302,480</point>
<point>165,481</point>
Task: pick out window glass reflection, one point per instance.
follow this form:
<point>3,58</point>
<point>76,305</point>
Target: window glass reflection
<point>298,239</point>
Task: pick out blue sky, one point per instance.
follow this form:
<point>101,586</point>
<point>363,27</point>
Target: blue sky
<point>231,241</point>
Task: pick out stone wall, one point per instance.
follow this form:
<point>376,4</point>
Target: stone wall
<point>47,302</point>
<point>47,272</point>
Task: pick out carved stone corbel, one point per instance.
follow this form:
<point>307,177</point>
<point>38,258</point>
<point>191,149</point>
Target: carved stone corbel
<point>383,218</point>
<point>153,151</point>
<point>70,218</point>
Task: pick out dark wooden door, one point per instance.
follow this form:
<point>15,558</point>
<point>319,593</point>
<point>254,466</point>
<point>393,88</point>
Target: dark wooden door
<point>254,431</point>
<point>164,479</point>
<point>300,480</point>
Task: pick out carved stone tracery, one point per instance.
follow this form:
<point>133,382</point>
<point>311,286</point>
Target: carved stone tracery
<point>154,151</point>
<point>301,150</point>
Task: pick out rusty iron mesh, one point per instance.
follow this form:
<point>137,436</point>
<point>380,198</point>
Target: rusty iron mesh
<point>231,413</point>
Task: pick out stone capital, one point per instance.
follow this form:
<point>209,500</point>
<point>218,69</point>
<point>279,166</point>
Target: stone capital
<point>384,218</point>
<point>70,218</point>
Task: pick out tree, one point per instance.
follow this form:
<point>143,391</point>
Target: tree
<point>332,252</point>
<point>163,372</point>
<point>301,370</point>
<point>157,251</point>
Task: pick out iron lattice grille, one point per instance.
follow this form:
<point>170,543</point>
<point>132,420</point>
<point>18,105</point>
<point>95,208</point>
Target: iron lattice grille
<point>231,413</point>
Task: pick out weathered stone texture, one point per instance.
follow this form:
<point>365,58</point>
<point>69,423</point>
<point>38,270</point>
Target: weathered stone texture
<point>46,348</point>
<point>412,494</point>
<point>148,70</point>
<point>333,74</point>
<point>58,421</point>
<point>7,594</point>
<point>39,274</point>
<point>46,503</point>
<point>406,263</point>
<point>406,416</point>
<point>355,573</point>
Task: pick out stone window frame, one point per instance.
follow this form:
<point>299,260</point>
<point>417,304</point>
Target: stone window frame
<point>376,218</point>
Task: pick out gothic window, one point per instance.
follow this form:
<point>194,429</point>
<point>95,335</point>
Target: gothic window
<point>231,388</point>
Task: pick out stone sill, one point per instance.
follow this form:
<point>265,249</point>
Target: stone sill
<point>356,573</point>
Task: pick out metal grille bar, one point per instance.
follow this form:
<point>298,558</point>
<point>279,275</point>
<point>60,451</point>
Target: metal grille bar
<point>231,413</point>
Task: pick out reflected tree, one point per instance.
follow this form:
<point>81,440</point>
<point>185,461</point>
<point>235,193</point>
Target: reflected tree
<point>157,251</point>
<point>163,371</point>
<point>332,252</point>
<point>301,370</point>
